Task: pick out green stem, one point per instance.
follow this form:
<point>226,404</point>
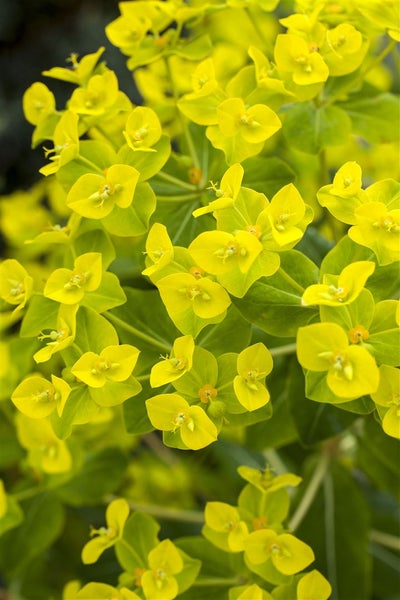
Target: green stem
<point>28,493</point>
<point>185,128</point>
<point>283,350</point>
<point>211,581</point>
<point>173,514</point>
<point>311,491</point>
<point>176,181</point>
<point>140,334</point>
<point>329,520</point>
<point>181,198</point>
<point>291,281</point>
<point>385,539</point>
<point>90,164</point>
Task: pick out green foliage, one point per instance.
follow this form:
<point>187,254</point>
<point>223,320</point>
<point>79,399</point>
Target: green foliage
<point>215,271</point>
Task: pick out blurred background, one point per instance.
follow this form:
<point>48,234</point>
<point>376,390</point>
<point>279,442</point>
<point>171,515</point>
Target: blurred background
<point>36,35</point>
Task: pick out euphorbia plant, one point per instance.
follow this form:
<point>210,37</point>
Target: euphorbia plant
<point>214,270</point>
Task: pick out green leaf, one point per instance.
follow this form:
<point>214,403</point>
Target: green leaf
<point>317,389</point>
<point>96,240</point>
<point>134,220</point>
<point>376,119</point>
<point>266,175</point>
<point>100,154</point>
<point>147,163</point>
<point>215,565</point>
<point>43,523</point>
<point>337,528</point>
<point>101,474</point>
<point>143,321</point>
<point>386,347</point>
<point>79,409</point>
<point>11,451</point>
<point>108,295</point>
<point>314,245</point>
<point>40,314</point>
<point>191,568</point>
<point>234,327</point>
<point>13,516</point>
<point>139,538</point>
<point>93,332</point>
<point>310,129</point>
<point>274,303</point>
<point>378,457</point>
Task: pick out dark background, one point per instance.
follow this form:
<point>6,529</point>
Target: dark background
<point>36,35</point>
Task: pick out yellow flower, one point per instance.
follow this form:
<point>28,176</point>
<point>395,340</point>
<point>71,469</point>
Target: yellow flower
<point>159,249</point>
<point>294,55</point>
<point>351,370</point>
<point>61,337</point>
<point>116,516</point>
<point>68,286</point>
<point>338,290</point>
<point>143,129</point>
<point>387,397</point>
<point>36,397</point>
<point>313,586</point>
<point>176,364</point>
<point>226,193</point>
<point>378,228</point>
<point>114,363</point>
<point>15,283</point>
<point>288,554</point>
<point>94,196</point>
<point>66,143</point>
<point>158,582</point>
<point>171,412</point>
<point>253,364</point>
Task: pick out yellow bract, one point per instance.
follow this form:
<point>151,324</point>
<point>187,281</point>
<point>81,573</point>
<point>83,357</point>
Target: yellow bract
<point>15,283</point>
<point>254,592</point>
<point>387,396</point>
<point>182,291</point>
<point>337,290</point>
<point>288,554</point>
<point>219,252</point>
<point>226,193</point>
<point>114,363</point>
<point>294,55</point>
<point>159,249</point>
<point>253,364</point>
<point>176,364</point>
<point>225,519</point>
<point>46,452</point>
<point>158,582</point>
<point>36,397</point>
<point>171,412</point>
<point>378,228</point>
<point>313,586</point>
<point>66,143</point>
<point>116,516</point>
<point>62,336</point>
<point>68,286</point>
<point>253,124</point>
<point>38,101</point>
<point>142,129</point>
<point>351,370</point>
<point>94,196</point>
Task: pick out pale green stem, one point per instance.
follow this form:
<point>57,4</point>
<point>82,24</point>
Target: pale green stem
<point>385,539</point>
<point>140,334</point>
<point>176,181</point>
<point>186,132</point>
<point>179,198</point>
<point>283,350</point>
<point>311,492</point>
<point>173,514</point>
<point>26,494</point>
<point>291,281</point>
<point>212,581</point>
<point>330,546</point>
<point>90,164</point>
